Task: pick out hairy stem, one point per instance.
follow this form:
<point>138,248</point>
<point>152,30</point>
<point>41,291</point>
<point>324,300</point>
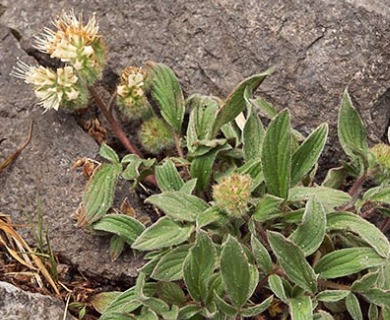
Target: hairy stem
<point>356,186</point>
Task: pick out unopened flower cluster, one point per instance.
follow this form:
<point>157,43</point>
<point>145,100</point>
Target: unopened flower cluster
<point>82,51</point>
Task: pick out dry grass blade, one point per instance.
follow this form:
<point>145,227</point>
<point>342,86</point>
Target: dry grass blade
<point>16,241</point>
<point>16,154</point>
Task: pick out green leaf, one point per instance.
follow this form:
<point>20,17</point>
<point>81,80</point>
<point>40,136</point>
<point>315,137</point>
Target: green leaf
<point>276,155</point>
<point>351,131</point>
<point>330,198</point>
<point>332,295</point>
<point>301,308</point>
<point>353,307</point>
<point>99,194</point>
<point>171,293</point>
<point>225,307</point>
<point>108,153</point>
<point>323,315</point>
<point>132,170</point>
<point>235,103</point>
<point>168,179</point>
<point>265,107</point>
<point>170,266</point>
<point>124,226</point>
<point>189,186</point>
<point>378,296</point>
<point>267,208</point>
<point>293,262</point>
<point>367,231</point>
<point>335,178</point>
<point>252,135</point>
<point>373,312</point>
<point>117,244</point>
<point>257,309</point>
<point>209,216</point>
<point>165,90</point>
<point>348,261</point>
<point>305,157</point>
<point>262,257</point>
<point>202,117</point>
<point>276,285</point>
<point>201,167</point>
<point>378,194</point>
<point>115,316</point>
<point>102,300</point>
<point>366,282</point>
<point>235,271</point>
<point>313,224</point>
<point>163,233</point>
<point>199,266</point>
<point>179,205</point>
<point>171,314</point>
<point>189,311</point>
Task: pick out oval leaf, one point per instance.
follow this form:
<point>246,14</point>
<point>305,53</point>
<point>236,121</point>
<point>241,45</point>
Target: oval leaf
<point>126,227</point>
<point>168,179</point>
<point>262,257</point>
<point>199,266</point>
<point>332,295</point>
<point>301,308</point>
<point>163,233</point>
<point>235,271</point>
<point>366,230</point>
<point>305,157</point>
<point>99,195</point>
<point>108,153</point>
<point>313,224</point>
<point>179,205</point>
<point>293,262</point>
<point>353,307</point>
<point>348,261</point>
<point>276,155</point>
<point>165,90</point>
<point>276,285</point>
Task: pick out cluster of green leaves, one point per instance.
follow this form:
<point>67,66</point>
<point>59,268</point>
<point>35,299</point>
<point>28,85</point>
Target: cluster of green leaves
<point>300,249</point>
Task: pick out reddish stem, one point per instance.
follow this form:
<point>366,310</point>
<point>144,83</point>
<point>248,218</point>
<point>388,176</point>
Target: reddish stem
<point>358,183</point>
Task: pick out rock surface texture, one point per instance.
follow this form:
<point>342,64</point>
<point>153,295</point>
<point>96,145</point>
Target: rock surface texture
<point>16,304</point>
<point>319,48</point>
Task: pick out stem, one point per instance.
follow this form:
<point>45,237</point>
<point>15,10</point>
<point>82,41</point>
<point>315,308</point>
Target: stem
<point>118,130</point>
<point>358,183</point>
<point>180,152</point>
<point>333,285</point>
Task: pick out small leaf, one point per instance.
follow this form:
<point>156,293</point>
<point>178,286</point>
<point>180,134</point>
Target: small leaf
<point>379,297</point>
<point>366,282</point>
<point>353,307</point>
<point>305,157</point>
<point>163,233</point>
<point>257,309</point>
<point>253,134</point>
<point>366,230</point>
<point>348,261</point>
<point>179,205</point>
<point>351,132</point>
<point>313,224</point>
<point>373,312</point>
<point>99,194</point>
<point>276,285</point>
<point>132,170</point>
<point>171,293</point>
<point>235,271</point>
<point>170,266</point>
<point>262,257</point>
<point>332,295</point>
<point>330,198</point>
<point>267,208</point>
<point>276,155</point>
<point>117,244</point>
<point>126,227</point>
<point>168,179</point>
<point>102,300</point>
<point>301,308</point>
<point>265,107</point>
<point>235,103</point>
<point>323,315</point>
<point>201,167</point>
<point>199,266</point>
<point>378,194</point>
<point>189,311</point>
<point>108,153</point>
<point>209,216</point>
<point>293,262</point>
<point>165,90</point>
<point>225,307</point>
<point>189,186</point>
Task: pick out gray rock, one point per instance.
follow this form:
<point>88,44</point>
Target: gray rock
<point>16,304</point>
<point>319,47</point>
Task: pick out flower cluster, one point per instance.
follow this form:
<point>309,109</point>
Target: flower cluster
<point>81,49</point>
<point>381,153</point>
<point>233,194</point>
<point>131,99</point>
<point>155,135</point>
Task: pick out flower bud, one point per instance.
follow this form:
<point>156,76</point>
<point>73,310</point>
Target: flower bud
<point>155,135</point>
<point>381,154</point>
<point>233,194</point>
<point>131,99</point>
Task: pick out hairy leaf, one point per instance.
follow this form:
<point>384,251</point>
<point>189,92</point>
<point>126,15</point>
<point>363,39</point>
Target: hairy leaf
<point>276,285</point>
<point>257,309</point>
<point>305,157</point>
<point>171,293</point>
<point>301,308</point>
<point>108,153</point>
<point>332,295</point>
<point>99,194</point>
<point>168,179</point>
<point>165,90</point>
<point>293,262</point>
<point>163,233</point>
<point>179,205</point>
<point>353,307</point>
<point>276,155</point>
<point>313,224</point>
<point>262,257</point>
<point>124,226</point>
